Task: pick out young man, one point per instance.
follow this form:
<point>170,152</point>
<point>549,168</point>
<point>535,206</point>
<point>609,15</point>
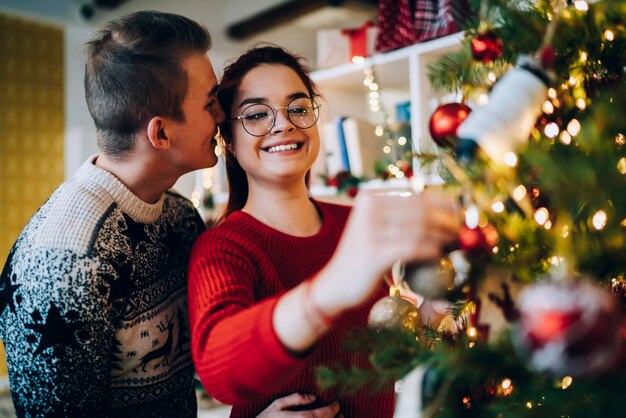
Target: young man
<point>93,294</point>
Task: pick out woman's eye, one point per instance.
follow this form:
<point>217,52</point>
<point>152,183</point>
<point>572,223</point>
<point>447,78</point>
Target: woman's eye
<point>298,111</point>
<point>256,116</point>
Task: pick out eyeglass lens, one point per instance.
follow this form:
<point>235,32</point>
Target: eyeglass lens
<point>258,119</point>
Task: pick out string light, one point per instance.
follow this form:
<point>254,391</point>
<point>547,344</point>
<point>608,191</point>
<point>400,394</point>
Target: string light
<point>565,231</point>
<point>599,220</point>
<point>379,130</point>
<point>548,225</point>
<point>566,382</point>
<point>510,159</point>
<point>548,107</point>
<point>552,93</point>
<point>492,77</point>
<point>498,207</point>
<point>573,127</point>
<point>483,99</point>
<point>529,405</point>
<point>581,104</point>
<point>402,140</point>
<point>195,198</point>
<point>551,130</point>
<point>566,138</point>
<point>520,192</point>
<point>620,140</point>
<point>358,60</point>
<point>387,149</point>
<point>471,217</point>
<point>621,165</point>
<point>581,5</point>
<point>541,215</point>
<point>583,56</point>
<point>572,81</point>
<point>609,35</point>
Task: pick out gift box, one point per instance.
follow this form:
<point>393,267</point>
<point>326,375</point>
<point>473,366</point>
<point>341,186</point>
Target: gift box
<point>338,46</point>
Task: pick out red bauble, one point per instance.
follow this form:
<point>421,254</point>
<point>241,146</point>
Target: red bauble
<point>486,47</point>
<point>568,328</point>
<point>352,191</point>
<point>547,57</point>
<point>445,121</point>
<point>478,241</point>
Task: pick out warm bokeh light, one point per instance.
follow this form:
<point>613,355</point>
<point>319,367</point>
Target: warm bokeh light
<point>581,5</point>
<point>566,138</point>
<point>573,127</point>
<point>551,130</point>
<point>609,35</point>
<point>520,192</point>
<point>599,220</point>
<point>498,207</point>
<point>566,382</point>
<point>510,159</point>
<point>541,215</point>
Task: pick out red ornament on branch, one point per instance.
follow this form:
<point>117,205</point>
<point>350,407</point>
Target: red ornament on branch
<point>486,47</point>
<point>478,241</point>
<point>445,121</point>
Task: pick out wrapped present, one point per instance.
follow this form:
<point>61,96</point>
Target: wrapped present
<point>437,18</point>
<point>339,46</point>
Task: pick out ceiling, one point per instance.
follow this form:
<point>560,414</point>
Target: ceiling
<point>296,27</point>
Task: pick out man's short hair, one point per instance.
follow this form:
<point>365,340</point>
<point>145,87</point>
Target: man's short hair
<point>134,72</point>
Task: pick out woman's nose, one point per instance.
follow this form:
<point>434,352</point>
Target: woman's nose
<point>282,123</point>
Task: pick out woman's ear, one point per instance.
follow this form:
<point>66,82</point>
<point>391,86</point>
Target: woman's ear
<point>158,133</point>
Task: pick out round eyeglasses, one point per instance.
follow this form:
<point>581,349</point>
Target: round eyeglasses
<point>259,119</point>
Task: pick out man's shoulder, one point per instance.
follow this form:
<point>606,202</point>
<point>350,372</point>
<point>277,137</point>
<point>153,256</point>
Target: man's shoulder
<point>69,219</point>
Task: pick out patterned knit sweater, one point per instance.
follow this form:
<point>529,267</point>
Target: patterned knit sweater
<point>237,273</point>
<point>93,308</point>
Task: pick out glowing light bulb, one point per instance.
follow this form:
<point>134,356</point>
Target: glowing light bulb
<point>572,80</point>
<point>506,383</point>
<point>387,149</point>
<point>621,165</point>
<point>566,382</point>
<point>472,217</point>
<point>483,99</point>
<point>548,107</point>
<point>620,140</point>
<point>510,159</point>
<point>498,207</point>
<point>402,140</point>
<point>551,130</point>
<point>609,35</point>
<point>552,93</point>
<point>541,215</point>
<point>581,5</point>
<point>374,95</point>
<point>599,220</point>
<point>373,87</point>
<point>581,104</point>
<point>492,77</point>
<point>358,60</point>
<point>379,130</point>
<point>583,56</point>
<point>520,192</point>
<point>566,138</point>
<point>573,127</point>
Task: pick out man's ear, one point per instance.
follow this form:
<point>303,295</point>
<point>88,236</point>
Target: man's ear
<point>157,133</point>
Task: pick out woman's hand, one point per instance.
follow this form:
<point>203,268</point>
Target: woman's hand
<point>383,228</point>
<point>283,408</point>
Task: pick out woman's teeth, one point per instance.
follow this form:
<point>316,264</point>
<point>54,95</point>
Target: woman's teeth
<point>279,148</point>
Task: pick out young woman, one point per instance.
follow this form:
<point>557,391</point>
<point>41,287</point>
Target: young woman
<point>276,285</point>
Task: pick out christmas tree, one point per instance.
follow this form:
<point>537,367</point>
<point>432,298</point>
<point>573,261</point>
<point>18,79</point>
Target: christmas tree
<point>537,154</point>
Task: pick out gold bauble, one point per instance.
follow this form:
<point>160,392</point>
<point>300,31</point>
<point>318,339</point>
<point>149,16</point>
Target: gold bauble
<point>393,312</point>
<point>433,281</point>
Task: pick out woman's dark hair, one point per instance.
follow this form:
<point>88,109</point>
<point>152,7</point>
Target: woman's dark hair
<point>231,80</point>
<point>134,72</point>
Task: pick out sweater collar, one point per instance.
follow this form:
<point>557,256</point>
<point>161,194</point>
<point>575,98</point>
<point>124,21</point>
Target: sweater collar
<point>128,202</point>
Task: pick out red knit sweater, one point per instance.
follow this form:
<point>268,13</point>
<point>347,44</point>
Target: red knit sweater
<point>237,273</point>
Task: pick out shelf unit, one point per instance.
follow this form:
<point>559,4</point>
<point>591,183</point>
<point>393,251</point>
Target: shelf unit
<point>401,75</point>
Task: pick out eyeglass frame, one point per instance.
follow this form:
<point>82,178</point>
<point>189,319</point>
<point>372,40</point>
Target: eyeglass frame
<point>316,107</point>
